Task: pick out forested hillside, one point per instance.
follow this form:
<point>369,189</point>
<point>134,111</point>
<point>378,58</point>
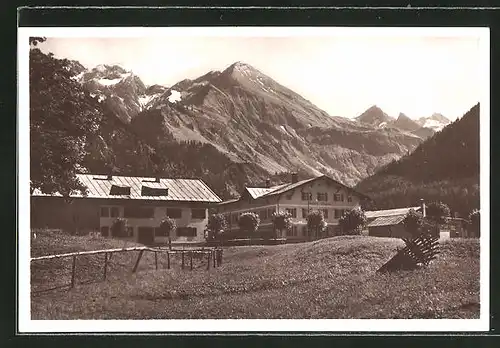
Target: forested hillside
<point>445,167</point>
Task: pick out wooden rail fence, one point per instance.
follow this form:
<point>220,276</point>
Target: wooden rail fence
<point>214,254</point>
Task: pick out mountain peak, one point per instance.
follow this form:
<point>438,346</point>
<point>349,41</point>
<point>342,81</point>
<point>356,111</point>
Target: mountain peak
<point>374,116</point>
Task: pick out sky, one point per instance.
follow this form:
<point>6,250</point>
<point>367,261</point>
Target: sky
<point>416,75</point>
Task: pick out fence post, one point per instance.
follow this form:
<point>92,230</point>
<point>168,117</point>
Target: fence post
<point>168,260</point>
<point>191,260</point>
<point>105,264</point>
<point>213,254</point>
<point>73,272</point>
<point>138,260</point>
<point>208,259</point>
<point>156,260</point>
<point>182,259</point>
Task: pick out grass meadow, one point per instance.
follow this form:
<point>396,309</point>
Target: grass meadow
<point>333,278</point>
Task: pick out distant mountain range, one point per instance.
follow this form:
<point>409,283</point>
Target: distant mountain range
<point>244,119</point>
<point>423,127</point>
<point>445,167</point>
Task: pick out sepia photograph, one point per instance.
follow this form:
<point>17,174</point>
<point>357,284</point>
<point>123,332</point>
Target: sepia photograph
<point>320,175</point>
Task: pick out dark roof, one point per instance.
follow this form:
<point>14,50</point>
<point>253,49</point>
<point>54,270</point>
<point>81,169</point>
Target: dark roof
<point>189,190</point>
<point>387,221</point>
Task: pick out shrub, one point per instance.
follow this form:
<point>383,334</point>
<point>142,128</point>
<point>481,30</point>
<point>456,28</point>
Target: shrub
<point>413,222</point>
<point>216,225</point>
<point>281,221</point>
<point>119,227</point>
<point>437,212</point>
<point>249,223</point>
<point>352,221</point>
<point>316,222</point>
<point>167,226</point>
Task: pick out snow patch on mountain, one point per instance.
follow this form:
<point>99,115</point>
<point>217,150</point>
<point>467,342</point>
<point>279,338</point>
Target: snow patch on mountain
<point>174,97</point>
<point>433,124</point>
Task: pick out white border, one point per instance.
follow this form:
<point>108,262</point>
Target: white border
<point>27,325</point>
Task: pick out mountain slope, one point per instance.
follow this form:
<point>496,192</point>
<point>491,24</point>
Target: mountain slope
<point>403,122</point>
<point>444,167</point>
<point>251,118</point>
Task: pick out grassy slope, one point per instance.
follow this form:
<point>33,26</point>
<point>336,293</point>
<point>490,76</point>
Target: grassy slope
<point>331,278</point>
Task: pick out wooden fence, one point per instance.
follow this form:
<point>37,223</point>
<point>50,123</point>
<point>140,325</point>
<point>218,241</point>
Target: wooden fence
<point>212,255</point>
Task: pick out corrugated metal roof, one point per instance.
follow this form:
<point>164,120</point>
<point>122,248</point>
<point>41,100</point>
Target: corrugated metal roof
<point>287,187</point>
<point>189,190</point>
<point>387,221</point>
<point>389,212</point>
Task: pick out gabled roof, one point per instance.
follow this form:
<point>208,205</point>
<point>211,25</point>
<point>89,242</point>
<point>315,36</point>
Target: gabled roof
<point>188,190</point>
<point>256,192</point>
<point>390,212</point>
<point>386,221</point>
<point>288,187</point>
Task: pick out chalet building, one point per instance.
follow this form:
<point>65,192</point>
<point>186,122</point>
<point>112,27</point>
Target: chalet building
<point>297,198</point>
<point>143,202</point>
<point>389,223</point>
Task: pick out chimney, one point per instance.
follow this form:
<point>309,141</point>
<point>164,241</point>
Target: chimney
<point>422,204</point>
<point>295,178</point>
<point>110,177</point>
<point>268,183</point>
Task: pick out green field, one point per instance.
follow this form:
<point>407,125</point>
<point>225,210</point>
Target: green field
<point>332,278</point>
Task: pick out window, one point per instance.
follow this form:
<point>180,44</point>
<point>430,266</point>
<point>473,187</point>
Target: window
<point>130,231</point>
<point>294,231</point>
<point>292,212</point>
<point>174,213</point>
<point>104,212</point>
<point>325,213</point>
<point>337,197</point>
<point>186,231</point>
<point>119,190</point>
<point>104,231</point>
<point>305,212</point>
<point>349,198</point>
<point>139,212</point>
<point>337,213</point>
<point>115,212</point>
<point>198,213</point>
<point>154,191</point>
<point>322,197</point>
<point>306,196</point>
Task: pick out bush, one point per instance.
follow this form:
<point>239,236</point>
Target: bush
<point>316,222</point>
<point>281,221</point>
<point>413,222</point>
<point>119,228</point>
<point>167,226</point>
<point>437,212</point>
<point>249,223</point>
<point>216,225</point>
<point>352,221</point>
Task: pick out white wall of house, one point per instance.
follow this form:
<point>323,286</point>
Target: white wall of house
<point>332,198</point>
<point>186,219</point>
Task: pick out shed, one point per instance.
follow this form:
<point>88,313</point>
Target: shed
<point>388,226</point>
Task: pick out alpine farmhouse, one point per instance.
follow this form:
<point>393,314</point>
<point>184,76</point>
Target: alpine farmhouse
<point>297,198</point>
<point>143,202</point>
